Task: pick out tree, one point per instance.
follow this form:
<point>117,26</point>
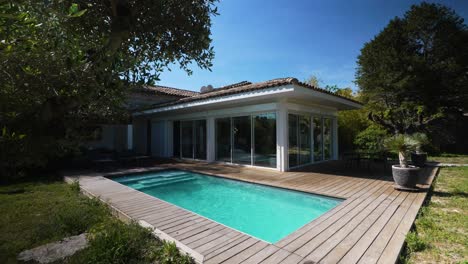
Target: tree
<point>414,71</point>
<point>314,81</point>
<point>67,63</point>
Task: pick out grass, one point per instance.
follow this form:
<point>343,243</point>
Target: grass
<point>440,233</point>
<point>449,158</point>
<point>36,213</point>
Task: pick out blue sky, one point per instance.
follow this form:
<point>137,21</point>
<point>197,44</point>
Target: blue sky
<point>257,40</point>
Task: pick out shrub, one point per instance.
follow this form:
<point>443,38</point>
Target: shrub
<point>116,242</point>
<point>371,139</point>
<point>169,253</point>
<point>78,216</point>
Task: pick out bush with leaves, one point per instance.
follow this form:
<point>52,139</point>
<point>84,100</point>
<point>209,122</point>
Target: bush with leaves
<point>116,242</point>
<point>371,139</point>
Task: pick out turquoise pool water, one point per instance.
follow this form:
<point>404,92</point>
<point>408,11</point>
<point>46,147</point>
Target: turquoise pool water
<point>264,212</point>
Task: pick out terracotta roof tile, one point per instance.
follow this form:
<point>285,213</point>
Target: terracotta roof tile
<point>246,87</point>
<point>167,90</point>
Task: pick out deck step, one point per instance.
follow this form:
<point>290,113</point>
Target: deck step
<point>149,186</point>
<point>163,179</point>
<point>132,179</point>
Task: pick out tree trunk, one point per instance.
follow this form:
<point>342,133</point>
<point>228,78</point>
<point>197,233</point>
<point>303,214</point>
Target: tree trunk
<point>403,160</point>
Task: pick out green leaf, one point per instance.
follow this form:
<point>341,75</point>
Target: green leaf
<point>74,11</point>
<point>79,13</point>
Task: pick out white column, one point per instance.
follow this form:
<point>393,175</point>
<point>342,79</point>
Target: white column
<point>282,137</point>
<point>210,139</point>
<point>335,137</point>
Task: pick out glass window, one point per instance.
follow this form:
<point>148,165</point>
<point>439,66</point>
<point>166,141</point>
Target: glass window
<point>317,139</point>
<point>327,139</point>
<point>293,150</point>
<point>223,139</point>
<point>304,140</point>
<point>176,139</point>
<point>265,140</point>
<point>200,139</point>
<point>242,146</point>
<point>187,139</point>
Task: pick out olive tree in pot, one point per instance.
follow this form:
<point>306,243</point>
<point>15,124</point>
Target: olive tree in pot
<point>418,157</point>
<point>404,175</point>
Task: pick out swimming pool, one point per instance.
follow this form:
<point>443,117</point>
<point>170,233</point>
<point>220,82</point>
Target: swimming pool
<point>267,213</point>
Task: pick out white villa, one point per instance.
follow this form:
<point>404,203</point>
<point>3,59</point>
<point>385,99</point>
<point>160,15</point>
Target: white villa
<point>278,124</point>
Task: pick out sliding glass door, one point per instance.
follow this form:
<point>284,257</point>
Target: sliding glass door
<point>186,129</point>
<point>192,139</point>
<point>176,138</point>
<point>318,155</point>
<point>265,140</point>
<point>242,140</point>
<point>200,139</point>
<point>299,140</point>
<point>327,139</point>
<point>305,154</point>
<point>247,140</point>
<point>293,151</point>
<point>223,139</point>
<point>310,139</point>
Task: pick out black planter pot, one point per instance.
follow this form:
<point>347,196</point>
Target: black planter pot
<point>419,159</point>
<point>405,178</point>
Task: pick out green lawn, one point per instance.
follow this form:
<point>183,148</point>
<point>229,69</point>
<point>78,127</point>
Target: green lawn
<point>441,229</point>
<point>450,158</point>
<point>36,213</point>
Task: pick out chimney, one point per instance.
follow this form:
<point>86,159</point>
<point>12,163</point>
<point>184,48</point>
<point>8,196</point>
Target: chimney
<point>206,89</point>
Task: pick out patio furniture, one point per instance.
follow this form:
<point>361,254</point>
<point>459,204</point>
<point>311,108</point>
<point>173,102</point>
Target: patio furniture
<point>360,159</point>
<point>131,158</point>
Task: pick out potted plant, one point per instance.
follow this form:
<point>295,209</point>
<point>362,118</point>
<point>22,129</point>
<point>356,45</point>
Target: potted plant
<point>419,157</point>
<point>404,175</point>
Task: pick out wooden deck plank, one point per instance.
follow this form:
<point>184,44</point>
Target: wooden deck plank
<point>391,252</point>
<point>226,254</point>
<point>345,245</point>
<point>343,206</point>
<point>219,243</point>
<point>358,213</point>
<point>226,246</point>
<point>331,237</point>
<point>246,253</point>
<point>349,210</point>
<point>292,259</point>
<point>261,255</point>
<point>276,257</point>
<point>373,233</point>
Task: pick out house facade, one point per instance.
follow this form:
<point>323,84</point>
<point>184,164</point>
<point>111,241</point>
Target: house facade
<point>278,124</point>
<point>119,137</point>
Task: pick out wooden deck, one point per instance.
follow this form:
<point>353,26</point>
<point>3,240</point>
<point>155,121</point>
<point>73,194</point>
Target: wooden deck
<point>368,227</point>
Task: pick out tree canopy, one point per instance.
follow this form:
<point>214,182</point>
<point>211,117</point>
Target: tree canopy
<point>416,69</point>
<point>67,63</point>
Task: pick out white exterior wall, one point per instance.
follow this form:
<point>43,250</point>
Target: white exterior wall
<point>162,129</point>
